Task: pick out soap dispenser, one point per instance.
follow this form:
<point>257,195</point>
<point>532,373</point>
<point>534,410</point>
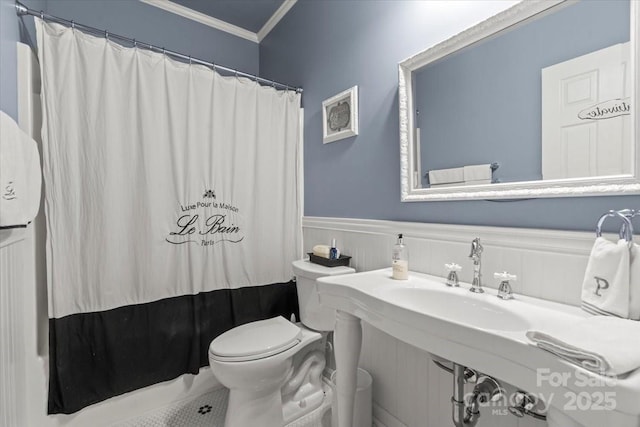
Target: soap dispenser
<point>400,260</point>
<point>334,253</point>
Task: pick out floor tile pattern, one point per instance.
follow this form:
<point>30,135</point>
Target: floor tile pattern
<point>209,409</point>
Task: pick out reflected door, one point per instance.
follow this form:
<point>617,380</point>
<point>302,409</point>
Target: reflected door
<point>586,115</point>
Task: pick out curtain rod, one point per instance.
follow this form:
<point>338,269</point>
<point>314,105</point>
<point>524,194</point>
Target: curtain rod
<point>22,10</point>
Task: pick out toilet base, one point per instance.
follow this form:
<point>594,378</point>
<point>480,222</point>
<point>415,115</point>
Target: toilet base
<point>251,406</point>
<point>255,397</point>
<point>303,390</point>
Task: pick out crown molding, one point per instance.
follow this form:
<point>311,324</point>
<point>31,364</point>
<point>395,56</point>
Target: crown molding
<point>275,18</point>
<point>207,20</point>
<point>221,25</point>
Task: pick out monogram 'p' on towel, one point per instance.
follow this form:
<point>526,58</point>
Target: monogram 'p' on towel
<point>605,289</point>
<point>602,344</point>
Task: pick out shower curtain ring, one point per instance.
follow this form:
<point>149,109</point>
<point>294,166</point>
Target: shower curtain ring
<point>106,34</point>
<point>73,24</point>
<point>42,15</point>
<point>190,63</point>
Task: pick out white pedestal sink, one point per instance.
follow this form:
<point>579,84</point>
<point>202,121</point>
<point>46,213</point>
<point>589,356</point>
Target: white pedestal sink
<point>480,331</point>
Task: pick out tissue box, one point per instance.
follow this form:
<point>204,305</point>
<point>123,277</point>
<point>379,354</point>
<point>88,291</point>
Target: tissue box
<point>342,261</point>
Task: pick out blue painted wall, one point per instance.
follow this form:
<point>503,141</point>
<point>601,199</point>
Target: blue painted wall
<point>130,18</point>
<point>327,47</point>
<point>9,35</point>
<point>484,104</point>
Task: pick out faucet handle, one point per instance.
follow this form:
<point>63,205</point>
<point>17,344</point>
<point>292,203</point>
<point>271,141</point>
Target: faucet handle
<point>453,267</point>
<point>504,290</point>
<point>504,276</point>
<point>452,277</point>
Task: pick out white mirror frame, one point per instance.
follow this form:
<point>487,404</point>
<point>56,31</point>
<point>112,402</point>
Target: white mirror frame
<point>592,186</point>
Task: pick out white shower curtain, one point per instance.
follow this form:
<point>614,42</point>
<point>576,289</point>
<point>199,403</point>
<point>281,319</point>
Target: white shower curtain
<point>163,180</point>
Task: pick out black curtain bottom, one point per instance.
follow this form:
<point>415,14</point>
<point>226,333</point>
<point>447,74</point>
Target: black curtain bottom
<point>95,356</point>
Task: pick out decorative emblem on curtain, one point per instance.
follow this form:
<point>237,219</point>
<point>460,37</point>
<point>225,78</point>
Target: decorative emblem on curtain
<point>207,222</point>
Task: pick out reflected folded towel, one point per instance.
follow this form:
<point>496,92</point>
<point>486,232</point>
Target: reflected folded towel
<point>634,283</point>
<point>605,288</point>
<point>20,175</point>
<point>446,176</point>
<point>478,182</point>
<point>601,344</point>
<point>477,172</point>
<point>451,184</point>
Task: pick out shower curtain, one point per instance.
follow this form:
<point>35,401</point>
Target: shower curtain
<point>172,208</point>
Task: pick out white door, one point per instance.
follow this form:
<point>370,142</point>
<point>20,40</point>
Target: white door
<point>586,115</point>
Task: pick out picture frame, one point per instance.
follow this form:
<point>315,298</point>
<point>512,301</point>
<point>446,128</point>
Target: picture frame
<point>340,116</point>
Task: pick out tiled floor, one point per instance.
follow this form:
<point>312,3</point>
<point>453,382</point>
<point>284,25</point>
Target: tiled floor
<point>209,409</point>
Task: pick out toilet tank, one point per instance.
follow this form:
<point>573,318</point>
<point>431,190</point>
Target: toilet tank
<point>313,315</point>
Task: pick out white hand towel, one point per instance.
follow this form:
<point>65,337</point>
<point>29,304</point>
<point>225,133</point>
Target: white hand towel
<point>20,175</point>
<point>605,289</point>
<point>446,176</point>
<point>634,283</point>
<point>477,172</point>
<point>601,344</point>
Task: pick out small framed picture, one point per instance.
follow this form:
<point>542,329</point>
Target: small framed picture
<point>340,116</point>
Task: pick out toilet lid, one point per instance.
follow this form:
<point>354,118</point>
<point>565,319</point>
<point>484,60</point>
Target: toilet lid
<point>256,340</point>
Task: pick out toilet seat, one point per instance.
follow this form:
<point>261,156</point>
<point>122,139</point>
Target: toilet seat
<point>255,340</point>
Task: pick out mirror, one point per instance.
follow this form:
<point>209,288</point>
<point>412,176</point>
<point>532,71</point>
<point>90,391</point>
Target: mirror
<point>537,101</point>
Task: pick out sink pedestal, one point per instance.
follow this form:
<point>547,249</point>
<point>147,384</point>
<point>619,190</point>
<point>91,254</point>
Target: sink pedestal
<point>348,340</point>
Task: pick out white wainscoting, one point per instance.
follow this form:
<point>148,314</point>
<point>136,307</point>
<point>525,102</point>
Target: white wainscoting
<point>408,389</point>
<point>12,384</point>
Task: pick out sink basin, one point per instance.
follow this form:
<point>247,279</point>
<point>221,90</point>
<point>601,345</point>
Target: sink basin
<point>460,307</point>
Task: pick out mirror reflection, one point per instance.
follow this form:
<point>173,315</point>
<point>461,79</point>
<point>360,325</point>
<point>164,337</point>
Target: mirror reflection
<point>546,99</point>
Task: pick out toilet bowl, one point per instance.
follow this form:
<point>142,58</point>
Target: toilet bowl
<point>256,360</point>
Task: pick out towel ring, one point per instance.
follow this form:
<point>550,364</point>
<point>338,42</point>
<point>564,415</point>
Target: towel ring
<point>630,214</point>
<point>626,231</point>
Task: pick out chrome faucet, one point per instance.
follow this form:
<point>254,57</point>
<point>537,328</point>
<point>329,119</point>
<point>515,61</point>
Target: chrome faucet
<point>476,256</point>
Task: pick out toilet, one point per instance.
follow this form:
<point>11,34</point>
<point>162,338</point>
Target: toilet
<point>273,368</point>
